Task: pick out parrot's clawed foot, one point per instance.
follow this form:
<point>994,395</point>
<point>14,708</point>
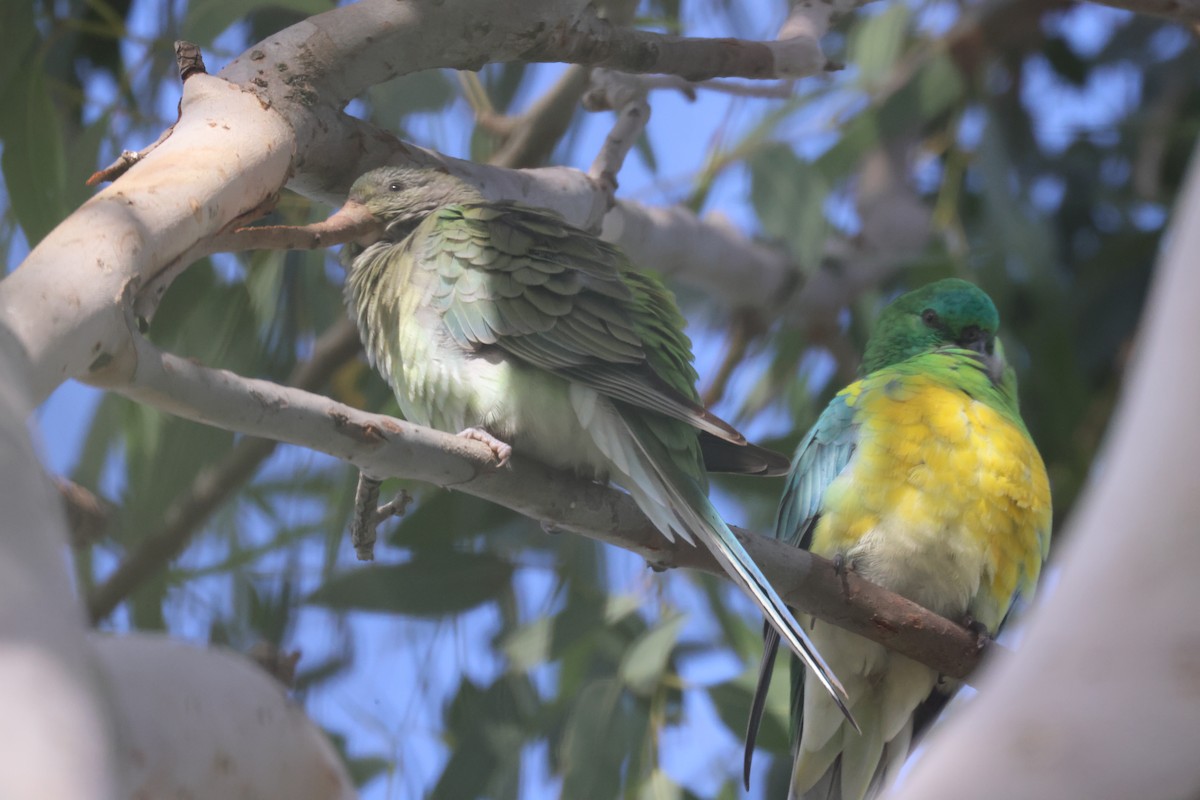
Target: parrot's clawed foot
<point>551,528</point>
<point>983,636</point>
<point>658,566</point>
<point>499,449</point>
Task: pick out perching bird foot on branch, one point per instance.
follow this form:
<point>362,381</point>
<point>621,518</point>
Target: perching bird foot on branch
<point>502,451</point>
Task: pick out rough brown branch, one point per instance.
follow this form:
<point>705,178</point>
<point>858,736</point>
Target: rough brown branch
<point>597,42</point>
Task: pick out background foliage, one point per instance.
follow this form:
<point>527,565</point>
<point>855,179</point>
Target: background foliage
<point>481,656</point>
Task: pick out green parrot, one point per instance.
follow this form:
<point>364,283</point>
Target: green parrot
<point>509,325</point>
<point>922,478</point>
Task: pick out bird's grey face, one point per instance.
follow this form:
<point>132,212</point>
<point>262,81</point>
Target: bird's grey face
<point>401,194</point>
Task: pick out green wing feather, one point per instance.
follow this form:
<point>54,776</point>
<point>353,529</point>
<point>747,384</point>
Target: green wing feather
<point>522,282</point>
<point>517,278</point>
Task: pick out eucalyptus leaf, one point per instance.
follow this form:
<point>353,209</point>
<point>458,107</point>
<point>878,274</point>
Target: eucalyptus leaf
<point>432,586</point>
<point>646,661</point>
<point>33,160</point>
<point>789,195</point>
<point>877,42</point>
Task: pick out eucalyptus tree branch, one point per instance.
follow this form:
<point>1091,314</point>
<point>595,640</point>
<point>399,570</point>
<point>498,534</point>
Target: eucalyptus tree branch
<point>384,446</point>
<point>589,39</point>
<point>88,516</point>
<point>273,117</point>
<point>212,487</point>
<point>349,49</point>
<point>625,95</point>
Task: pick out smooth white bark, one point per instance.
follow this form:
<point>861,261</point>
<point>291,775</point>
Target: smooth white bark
<point>54,729</point>
<point>69,303</point>
<point>210,724</point>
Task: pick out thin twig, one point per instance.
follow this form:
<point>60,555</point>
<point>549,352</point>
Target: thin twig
<point>595,41</point>
<point>626,95</point>
<point>189,60</point>
<point>88,516</point>
<point>368,516</point>
<point>780,90</point>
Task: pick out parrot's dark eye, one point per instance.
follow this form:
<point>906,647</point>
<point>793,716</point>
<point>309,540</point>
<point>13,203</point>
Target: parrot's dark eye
<point>930,317</point>
<point>394,186</point>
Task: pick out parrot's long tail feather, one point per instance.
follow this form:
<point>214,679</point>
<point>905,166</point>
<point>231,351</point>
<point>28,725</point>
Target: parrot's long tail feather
<point>697,514</point>
<point>678,505</point>
<point>765,668</point>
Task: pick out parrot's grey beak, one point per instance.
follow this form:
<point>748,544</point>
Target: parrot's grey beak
<point>984,343</point>
<point>353,223</point>
<point>981,341</point>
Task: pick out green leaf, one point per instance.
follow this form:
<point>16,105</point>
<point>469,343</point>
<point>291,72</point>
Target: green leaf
<point>529,645</point>
<point>33,160</point>
<point>428,90</point>
<point>207,19</point>
<point>789,195</point>
<point>21,41</point>
<point>427,586</point>
<point>591,753</point>
<point>732,700</point>
<point>487,729</point>
<point>1065,62</point>
<point>877,42</point>
<point>441,517</point>
<point>646,661</point>
<point>362,769</point>
<point>934,90</point>
<point>659,787</point>
<point>938,86</point>
<point>645,149</point>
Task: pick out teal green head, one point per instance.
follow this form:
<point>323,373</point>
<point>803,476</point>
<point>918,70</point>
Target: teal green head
<point>947,313</point>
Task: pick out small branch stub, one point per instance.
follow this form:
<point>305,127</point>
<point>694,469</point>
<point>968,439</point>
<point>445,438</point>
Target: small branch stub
<point>626,95</point>
<point>189,59</point>
<point>368,516</point>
